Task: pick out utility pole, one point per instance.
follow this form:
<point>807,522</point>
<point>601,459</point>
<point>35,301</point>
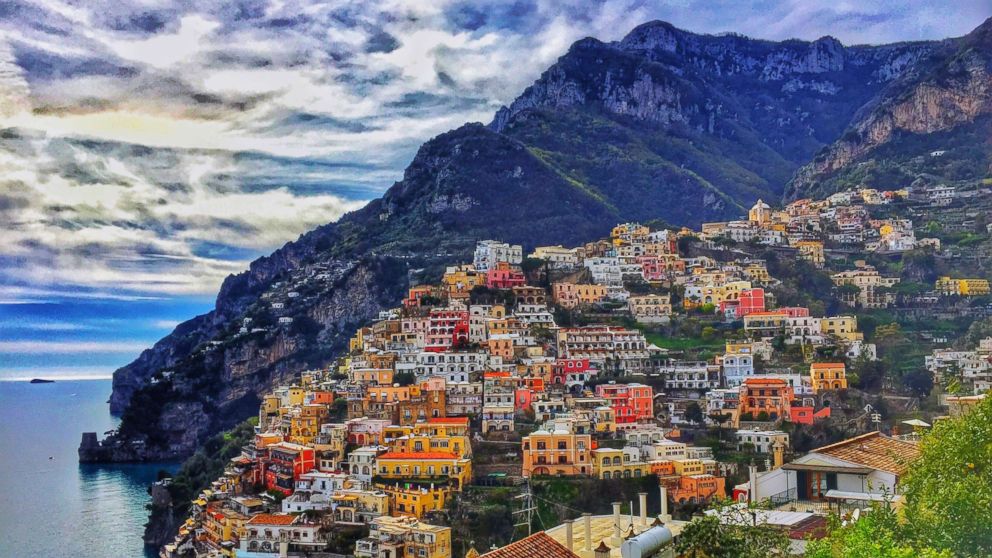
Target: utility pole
<point>528,509</point>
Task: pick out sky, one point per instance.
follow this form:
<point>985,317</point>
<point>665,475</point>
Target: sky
<point>148,149</point>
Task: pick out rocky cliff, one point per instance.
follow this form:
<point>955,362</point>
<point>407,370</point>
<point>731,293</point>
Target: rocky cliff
<point>661,124</point>
<point>948,89</point>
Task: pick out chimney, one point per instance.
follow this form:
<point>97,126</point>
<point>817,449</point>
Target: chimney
<point>616,521</point>
<point>602,551</point>
<point>569,541</point>
<point>664,503</point>
<point>587,519</point>
<point>752,483</point>
<point>643,501</point>
<point>778,454</point>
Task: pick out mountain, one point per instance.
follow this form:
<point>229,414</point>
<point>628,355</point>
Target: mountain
<point>662,124</point>
<point>931,124</point>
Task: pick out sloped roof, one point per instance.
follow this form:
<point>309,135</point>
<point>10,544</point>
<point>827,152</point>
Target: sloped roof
<point>876,451</point>
<point>538,545</point>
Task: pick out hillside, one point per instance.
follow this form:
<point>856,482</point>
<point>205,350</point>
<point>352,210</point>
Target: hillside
<point>662,124</point>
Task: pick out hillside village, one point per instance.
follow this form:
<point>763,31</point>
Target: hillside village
<point>608,392</point>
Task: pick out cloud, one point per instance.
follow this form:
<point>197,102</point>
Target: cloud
<point>71,347</point>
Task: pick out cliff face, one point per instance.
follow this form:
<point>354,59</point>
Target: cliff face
<point>712,121</point>
<point>948,89</point>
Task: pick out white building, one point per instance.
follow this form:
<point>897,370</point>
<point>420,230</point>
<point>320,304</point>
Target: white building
<point>488,253</point>
<point>761,440</point>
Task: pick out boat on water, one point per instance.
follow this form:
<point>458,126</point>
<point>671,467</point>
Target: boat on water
<point>41,381</point>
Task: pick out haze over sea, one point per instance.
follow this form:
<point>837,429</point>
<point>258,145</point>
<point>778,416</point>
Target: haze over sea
<point>52,505</point>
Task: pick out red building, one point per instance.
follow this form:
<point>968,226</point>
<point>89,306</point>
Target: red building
<point>446,329</point>
<point>572,371</point>
<point>505,277</point>
<point>751,301</point>
<point>285,463</point>
<point>630,402</point>
<point>794,311</point>
<point>807,415</point>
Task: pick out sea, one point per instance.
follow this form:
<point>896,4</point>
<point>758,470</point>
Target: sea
<point>52,506</point>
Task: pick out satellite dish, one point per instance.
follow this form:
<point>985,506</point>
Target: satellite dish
<point>856,514</point>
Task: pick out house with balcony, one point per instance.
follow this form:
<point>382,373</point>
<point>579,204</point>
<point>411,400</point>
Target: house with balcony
<point>849,474</point>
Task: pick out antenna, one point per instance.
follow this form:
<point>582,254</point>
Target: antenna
<point>528,508</point>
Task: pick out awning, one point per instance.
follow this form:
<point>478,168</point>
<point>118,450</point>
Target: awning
<point>828,469</point>
<point>862,496</point>
<point>916,422</point>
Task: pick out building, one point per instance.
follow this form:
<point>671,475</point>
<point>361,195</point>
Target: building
<point>616,463</point>
<point>404,537</point>
<point>489,253</point>
<point>841,327</point>
<point>269,535</point>
<point>962,287</point>
<point>571,295</point>
<point>424,466</point>
<point>557,257</point>
<point>827,376</point>
<point>853,473</point>
<point>765,397</point>
<point>556,452</point>
<point>871,287</point>
<point>284,463</point>
<point>631,402</point>
<point>762,441</point>
<point>538,545</point>
<point>650,308</point>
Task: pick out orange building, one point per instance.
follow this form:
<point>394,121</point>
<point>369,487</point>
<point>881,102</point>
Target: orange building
<point>772,396</point>
<point>699,489</point>
<point>557,453</point>
<point>828,375</point>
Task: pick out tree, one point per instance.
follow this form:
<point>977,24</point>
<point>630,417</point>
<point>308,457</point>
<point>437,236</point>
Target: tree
<point>877,534</point>
<point>948,489</point>
<point>737,536</point>
<point>920,382</point>
<point>694,413</point>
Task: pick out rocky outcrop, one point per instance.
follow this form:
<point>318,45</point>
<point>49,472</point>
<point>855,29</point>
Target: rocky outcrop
<point>952,86</point>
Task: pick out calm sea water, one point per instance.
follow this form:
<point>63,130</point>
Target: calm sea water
<point>50,505</point>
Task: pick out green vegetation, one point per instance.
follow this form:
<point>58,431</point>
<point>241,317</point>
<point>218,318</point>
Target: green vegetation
<point>208,463</point>
<point>738,537</point>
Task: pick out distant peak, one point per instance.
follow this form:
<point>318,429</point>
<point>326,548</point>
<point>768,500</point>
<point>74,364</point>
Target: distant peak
<point>653,35</point>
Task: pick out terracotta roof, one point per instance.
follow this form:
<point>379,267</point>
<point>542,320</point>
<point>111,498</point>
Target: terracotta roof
<point>417,455</point>
<point>272,519</point>
<point>538,545</point>
<point>875,451</point>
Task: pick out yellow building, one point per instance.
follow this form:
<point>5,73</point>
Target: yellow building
<point>404,536</point>
<point>962,287</point>
<point>222,525</point>
<point>757,272</point>
<point>760,213</point>
<point>686,467</point>
<point>461,279</point>
<point>556,453</point>
<point>828,375</point>
<point>415,500</point>
<point>296,396</point>
<point>629,233</point>
<point>697,295</point>
<point>610,463</point>
<point>812,251</point>
<point>427,466</point>
<point>843,327</point>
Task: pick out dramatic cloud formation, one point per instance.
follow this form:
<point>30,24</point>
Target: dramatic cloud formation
<point>147,149</point>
